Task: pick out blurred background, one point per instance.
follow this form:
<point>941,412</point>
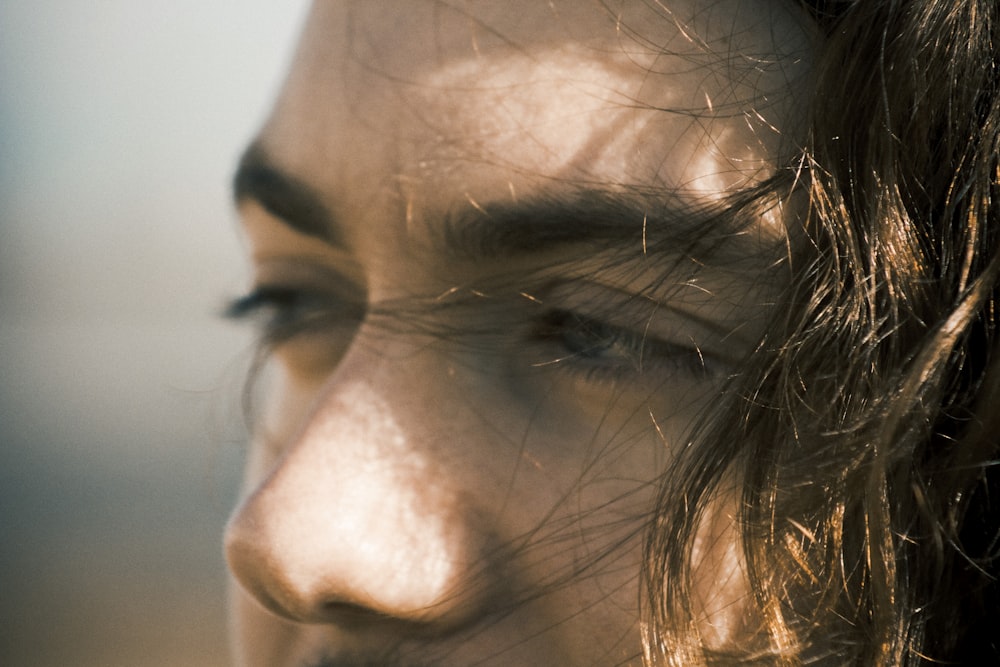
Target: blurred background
<point>120,428</point>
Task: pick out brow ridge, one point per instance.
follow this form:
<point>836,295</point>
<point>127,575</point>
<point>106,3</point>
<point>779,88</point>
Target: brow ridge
<point>284,196</point>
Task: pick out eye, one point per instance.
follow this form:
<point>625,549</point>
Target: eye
<point>605,350</point>
<point>586,338</point>
<point>285,312</point>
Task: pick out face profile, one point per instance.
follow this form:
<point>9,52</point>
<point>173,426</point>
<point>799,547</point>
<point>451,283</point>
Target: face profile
<point>507,258</point>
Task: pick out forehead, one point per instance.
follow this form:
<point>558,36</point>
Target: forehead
<point>424,96</point>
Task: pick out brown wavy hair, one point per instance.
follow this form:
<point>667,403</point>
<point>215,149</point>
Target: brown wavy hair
<point>862,440</point>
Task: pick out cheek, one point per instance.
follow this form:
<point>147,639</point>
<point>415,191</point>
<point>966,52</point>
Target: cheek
<point>626,431</point>
<point>599,454</point>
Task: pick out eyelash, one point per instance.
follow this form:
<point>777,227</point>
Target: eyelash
<point>605,351</point>
<point>286,312</point>
<point>572,342</point>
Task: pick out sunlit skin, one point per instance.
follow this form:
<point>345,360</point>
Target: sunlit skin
<point>461,476</point>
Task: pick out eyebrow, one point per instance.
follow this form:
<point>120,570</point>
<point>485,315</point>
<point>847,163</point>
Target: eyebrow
<point>593,217</point>
<point>284,196</point>
<point>579,216</point>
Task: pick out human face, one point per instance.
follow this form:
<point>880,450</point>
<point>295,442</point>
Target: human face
<point>491,227</point>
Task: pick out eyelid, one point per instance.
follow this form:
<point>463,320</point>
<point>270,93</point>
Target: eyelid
<point>313,272</point>
<point>300,293</point>
<point>730,303</point>
<point>672,319</point>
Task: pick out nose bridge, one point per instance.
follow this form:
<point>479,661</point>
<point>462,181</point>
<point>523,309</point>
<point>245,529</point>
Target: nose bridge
<point>358,513</point>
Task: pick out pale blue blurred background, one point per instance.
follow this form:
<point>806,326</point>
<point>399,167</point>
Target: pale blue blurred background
<point>120,432</point>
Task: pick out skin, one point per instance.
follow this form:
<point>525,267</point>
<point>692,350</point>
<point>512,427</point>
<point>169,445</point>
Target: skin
<point>470,491</point>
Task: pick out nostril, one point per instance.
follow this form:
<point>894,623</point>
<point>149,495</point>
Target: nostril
<point>359,619</point>
<point>350,616</point>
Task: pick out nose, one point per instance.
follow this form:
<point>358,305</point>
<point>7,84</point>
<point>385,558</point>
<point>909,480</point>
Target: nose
<point>360,521</point>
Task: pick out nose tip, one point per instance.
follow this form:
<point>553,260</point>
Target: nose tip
<point>351,547</point>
